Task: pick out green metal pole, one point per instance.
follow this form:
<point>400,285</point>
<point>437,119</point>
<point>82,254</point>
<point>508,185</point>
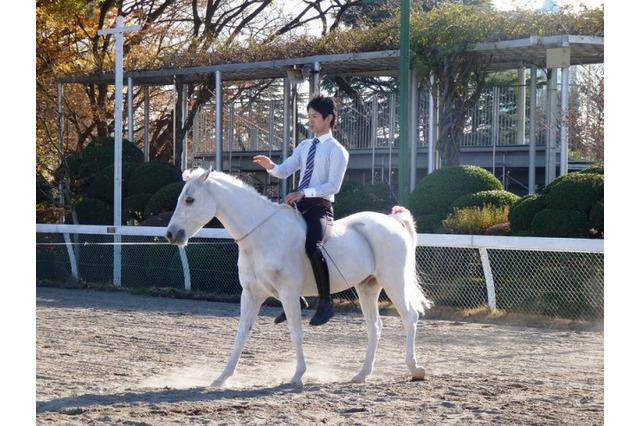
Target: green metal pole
<point>403,104</point>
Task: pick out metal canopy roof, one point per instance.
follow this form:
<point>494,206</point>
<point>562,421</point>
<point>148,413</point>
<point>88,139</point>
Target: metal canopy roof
<point>382,63</point>
<point>503,55</point>
<point>533,51</point>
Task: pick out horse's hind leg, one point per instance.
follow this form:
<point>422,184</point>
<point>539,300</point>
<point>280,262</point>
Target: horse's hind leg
<point>368,292</point>
<point>410,325</point>
<point>400,298</point>
<point>249,308</point>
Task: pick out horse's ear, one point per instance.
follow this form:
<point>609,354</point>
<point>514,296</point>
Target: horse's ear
<point>186,175</point>
<point>205,175</point>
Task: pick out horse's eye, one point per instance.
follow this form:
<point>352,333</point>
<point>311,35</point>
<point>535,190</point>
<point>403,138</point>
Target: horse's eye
<point>189,201</point>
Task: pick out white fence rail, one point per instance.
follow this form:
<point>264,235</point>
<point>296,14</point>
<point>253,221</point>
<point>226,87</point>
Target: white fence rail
<point>547,276</point>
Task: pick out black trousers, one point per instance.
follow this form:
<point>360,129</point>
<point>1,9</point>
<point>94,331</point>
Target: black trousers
<point>318,213</point>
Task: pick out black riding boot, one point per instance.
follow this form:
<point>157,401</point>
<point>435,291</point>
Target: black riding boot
<point>283,317</point>
<point>324,311</point>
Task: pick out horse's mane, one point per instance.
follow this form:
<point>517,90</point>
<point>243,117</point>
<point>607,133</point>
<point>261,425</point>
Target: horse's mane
<point>231,180</point>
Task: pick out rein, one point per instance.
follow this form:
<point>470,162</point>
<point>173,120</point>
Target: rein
<point>324,249</point>
<point>257,226</point>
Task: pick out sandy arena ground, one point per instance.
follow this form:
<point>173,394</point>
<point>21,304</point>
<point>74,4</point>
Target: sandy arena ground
<point>117,358</point>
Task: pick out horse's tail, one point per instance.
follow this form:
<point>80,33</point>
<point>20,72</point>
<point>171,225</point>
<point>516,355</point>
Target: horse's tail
<point>415,292</point>
<point>404,216</point>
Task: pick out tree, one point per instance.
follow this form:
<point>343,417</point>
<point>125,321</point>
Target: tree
<point>174,33</point>
<point>442,41</point>
<point>182,33</point>
<point>585,119</point>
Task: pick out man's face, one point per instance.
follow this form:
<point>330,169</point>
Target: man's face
<point>317,124</point>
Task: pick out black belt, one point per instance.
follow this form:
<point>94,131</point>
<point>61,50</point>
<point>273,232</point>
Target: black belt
<point>306,203</point>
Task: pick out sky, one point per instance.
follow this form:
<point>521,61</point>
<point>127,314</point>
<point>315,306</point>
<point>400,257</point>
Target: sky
<point>536,4</point>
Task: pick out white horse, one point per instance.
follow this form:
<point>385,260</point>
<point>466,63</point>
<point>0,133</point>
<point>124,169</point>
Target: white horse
<point>367,250</point>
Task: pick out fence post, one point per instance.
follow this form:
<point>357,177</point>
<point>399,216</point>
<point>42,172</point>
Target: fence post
<point>185,268</point>
<point>488,277</point>
<point>72,257</point>
<point>117,260</point>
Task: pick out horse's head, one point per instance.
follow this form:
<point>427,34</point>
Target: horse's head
<point>195,208</point>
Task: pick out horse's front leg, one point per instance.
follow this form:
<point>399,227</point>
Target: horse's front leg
<point>249,307</point>
<point>291,305</point>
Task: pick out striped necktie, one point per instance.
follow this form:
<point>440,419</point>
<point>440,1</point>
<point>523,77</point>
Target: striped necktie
<point>309,167</point>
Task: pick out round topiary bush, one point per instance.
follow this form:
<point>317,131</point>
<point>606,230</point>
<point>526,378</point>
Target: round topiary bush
<point>347,200</point>
<point>164,200</point>
<point>429,224</point>
<point>102,185</point>
<point>436,192</point>
<point>522,212</point>
<point>378,198</point>
<point>496,198</point>
<point>575,191</point>
<point>150,177</point>
<point>97,155</point>
<point>596,218</point>
<point>596,168</point>
<point>354,197</point>
<point>560,224</point>
<point>91,211</point>
<point>134,205</point>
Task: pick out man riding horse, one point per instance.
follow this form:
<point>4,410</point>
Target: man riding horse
<point>322,162</point>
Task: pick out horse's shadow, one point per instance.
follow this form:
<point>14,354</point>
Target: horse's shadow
<point>195,394</point>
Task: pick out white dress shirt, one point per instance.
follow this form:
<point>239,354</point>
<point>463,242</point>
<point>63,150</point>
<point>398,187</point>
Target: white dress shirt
<point>330,165</point>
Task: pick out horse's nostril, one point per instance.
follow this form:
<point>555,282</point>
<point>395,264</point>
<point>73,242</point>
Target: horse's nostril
<point>169,235</point>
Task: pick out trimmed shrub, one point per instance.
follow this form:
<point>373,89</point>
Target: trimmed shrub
<point>596,219</point>
<point>522,212</point>
<point>499,229</point>
<point>429,224</point>
<point>560,223</point>
<point>91,211</point>
<point>134,205</point>
<point>102,185</point>
<point>579,196</point>
<point>496,198</point>
<point>475,220</point>
<point>436,192</point>
<point>596,168</point>
<point>97,155</point>
<point>164,200</point>
<point>575,191</point>
<point>149,177</point>
<point>347,200</point>
<point>378,198</point>
<point>354,197</point>
<point>348,186</point>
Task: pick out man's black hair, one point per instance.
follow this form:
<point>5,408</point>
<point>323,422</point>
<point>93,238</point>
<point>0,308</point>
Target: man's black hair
<point>325,105</point>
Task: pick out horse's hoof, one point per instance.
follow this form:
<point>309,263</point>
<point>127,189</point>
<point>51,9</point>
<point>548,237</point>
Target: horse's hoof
<point>359,378</point>
<point>296,382</point>
<point>218,383</point>
<point>418,375</point>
